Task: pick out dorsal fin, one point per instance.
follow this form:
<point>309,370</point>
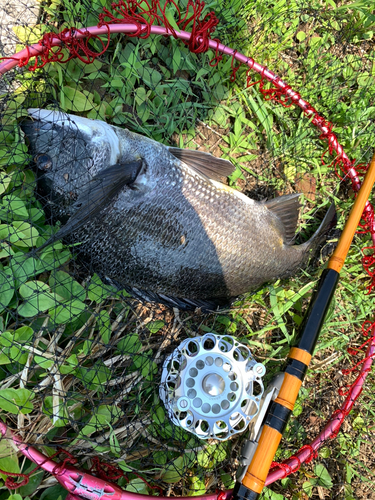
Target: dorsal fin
<point>287,210</point>
<point>204,163</point>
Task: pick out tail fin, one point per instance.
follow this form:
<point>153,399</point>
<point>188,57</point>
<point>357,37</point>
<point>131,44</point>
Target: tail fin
<point>320,234</point>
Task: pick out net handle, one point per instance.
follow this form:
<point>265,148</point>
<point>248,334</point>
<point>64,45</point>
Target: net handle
<point>332,427</point>
<point>81,484</point>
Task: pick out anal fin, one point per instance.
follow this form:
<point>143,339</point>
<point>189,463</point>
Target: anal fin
<point>184,304</point>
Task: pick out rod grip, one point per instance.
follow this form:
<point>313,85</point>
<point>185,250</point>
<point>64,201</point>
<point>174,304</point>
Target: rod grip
<point>281,409</point>
<point>314,318</point>
<point>256,474</point>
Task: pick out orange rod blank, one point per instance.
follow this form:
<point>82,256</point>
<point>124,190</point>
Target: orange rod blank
<point>338,258</point>
<point>278,415</point>
<point>289,391</point>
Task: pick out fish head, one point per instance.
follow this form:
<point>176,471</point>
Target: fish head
<point>70,150</point>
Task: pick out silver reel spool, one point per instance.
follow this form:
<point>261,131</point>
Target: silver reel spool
<point>212,386</point>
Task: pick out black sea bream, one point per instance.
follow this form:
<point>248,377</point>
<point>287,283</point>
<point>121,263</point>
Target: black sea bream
<point>157,220</point>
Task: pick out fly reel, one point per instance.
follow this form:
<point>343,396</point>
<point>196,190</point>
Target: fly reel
<point>212,386</point>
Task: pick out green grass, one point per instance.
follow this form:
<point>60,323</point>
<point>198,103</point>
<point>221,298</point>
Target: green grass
<point>63,324</point>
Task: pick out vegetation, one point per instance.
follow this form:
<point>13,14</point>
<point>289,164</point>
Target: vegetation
<point>68,342</point>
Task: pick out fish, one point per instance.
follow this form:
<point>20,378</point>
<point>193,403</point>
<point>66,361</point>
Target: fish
<point>158,221</point>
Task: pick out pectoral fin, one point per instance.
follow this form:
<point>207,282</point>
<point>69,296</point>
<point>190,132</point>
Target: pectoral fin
<point>99,192</point>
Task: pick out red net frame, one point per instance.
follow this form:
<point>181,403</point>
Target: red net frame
<point>144,21</point>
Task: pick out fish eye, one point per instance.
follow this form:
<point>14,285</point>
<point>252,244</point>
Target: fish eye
<point>43,161</point>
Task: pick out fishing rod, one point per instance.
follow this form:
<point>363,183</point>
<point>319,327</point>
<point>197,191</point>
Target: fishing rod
<point>253,482</point>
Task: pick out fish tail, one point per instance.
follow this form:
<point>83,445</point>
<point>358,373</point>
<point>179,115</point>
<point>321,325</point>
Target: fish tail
<point>320,235</point>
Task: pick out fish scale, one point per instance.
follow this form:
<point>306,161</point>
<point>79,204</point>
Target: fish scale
<point>171,231</point>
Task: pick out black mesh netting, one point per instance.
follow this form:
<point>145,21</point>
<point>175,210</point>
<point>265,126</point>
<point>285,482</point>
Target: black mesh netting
<point>81,356</point>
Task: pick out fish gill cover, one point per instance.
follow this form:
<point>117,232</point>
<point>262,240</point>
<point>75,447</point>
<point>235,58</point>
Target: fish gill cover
<point>82,359</point>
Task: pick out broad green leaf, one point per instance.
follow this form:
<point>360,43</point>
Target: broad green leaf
<point>16,400</point>
<point>140,95</point>
<point>43,362</point>
<point>155,77</point>
<point>23,334</point>
<point>124,466</point>
<point>272,495</point>
<point>98,291</point>
<point>169,14</point>
<point>74,100</point>
<point>8,458</point>
<point>65,286</point>
<point>155,326</point>
<point>66,369</point>
<point>211,455</point>
<point>129,344</point>
<point>12,207</point>
<point>6,339</point>
<point>56,492</point>
<point>101,419</point>
<point>177,469</point>
<point>67,311</point>
<point>38,298</point>
<point>23,268</point>
<point>160,457</point>
<point>228,481</point>
<point>16,496</point>
<point>159,416</point>
<point>104,324</point>
<point>196,487</point>
<point>137,486</point>
<point>325,452</point>
<point>51,259</point>
<point>95,377</point>
<point>29,34</point>
<point>23,234</point>
<point>147,367</point>
<point>5,250</point>
<point>315,40</point>
<point>358,423</point>
<point>32,288</point>
<point>307,487</point>
<point>4,182</point>
<point>176,61</point>
<point>34,482</point>
<point>7,288</point>
<point>4,359</point>
<point>323,476</point>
